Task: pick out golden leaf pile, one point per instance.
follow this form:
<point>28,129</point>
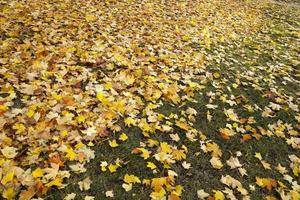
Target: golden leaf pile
<point>73,73</point>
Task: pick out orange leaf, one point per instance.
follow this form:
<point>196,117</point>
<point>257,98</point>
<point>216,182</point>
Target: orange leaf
<point>210,198</point>
<point>40,188</point>
<point>173,197</point>
<point>68,100</point>
<point>56,159</point>
<point>224,135</point>
<point>246,137</point>
<point>27,194</point>
<point>268,183</point>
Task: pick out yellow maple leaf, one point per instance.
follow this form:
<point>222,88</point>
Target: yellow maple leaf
<point>158,183</point>
<point>156,95</point>
<point>119,106</point>
<point>107,86</point>
<point>64,133</point>
<point>185,38</point>
<point>80,119</point>
<point>131,179</point>
<point>152,142</point>
<point>70,154</point>
<point>219,195</point>
<point>90,18</point>
<point>56,182</point>
<point>178,190</point>
<point>146,181</point>
<point>102,99</point>
<point>129,80</point>
<point>146,128</point>
<point>113,143</point>
<point>79,145</point>
<point>120,58</point>
<point>2,161</point>
<point>56,96</point>
<point>296,170</point>
<point>129,121</point>
<point>178,154</point>
<point>158,194</point>
<point>113,167</point>
<point>9,193</point>
<point>90,144</point>
<point>30,113</point>
<point>19,127</point>
<point>281,184</point>
<point>214,148</point>
<point>123,137</point>
<point>3,108</point>
<point>182,125</point>
<point>165,147</point>
<point>152,59</point>
<point>258,156</point>
<point>145,153</point>
<point>8,177</point>
<point>38,172</point>
<point>151,165</point>
<point>295,195</point>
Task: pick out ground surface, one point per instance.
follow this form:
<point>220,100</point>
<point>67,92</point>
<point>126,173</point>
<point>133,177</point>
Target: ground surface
<point>149,99</point>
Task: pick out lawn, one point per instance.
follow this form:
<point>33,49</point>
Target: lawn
<point>149,99</point>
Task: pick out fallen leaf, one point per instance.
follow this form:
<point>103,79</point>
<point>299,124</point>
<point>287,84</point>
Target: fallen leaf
<point>216,162</point>
<point>85,184</point>
<point>201,194</point>
<point>151,165</point>
<point>109,193</point>
<point>186,165</point>
<point>123,137</point>
<point>266,183</point>
<point>113,143</point>
<point>127,187</point>
<point>131,179</point>
<point>70,196</point>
